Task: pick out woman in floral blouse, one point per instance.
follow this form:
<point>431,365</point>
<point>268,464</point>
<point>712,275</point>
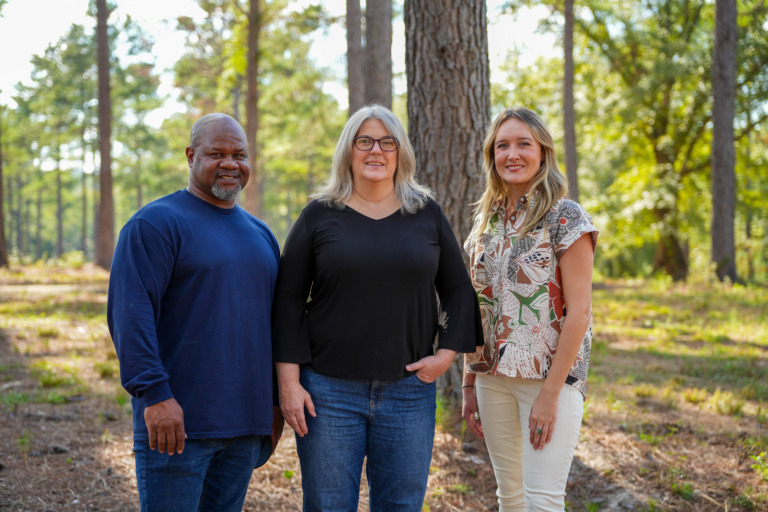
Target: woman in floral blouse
<point>531,253</point>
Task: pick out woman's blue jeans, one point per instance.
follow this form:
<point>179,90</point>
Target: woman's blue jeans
<point>210,475</point>
<point>389,422</point>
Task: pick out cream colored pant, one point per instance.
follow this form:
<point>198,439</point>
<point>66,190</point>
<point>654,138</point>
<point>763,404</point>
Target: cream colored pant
<point>528,480</point>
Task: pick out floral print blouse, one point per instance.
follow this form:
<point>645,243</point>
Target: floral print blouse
<point>520,289</point>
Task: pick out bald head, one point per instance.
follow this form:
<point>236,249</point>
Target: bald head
<point>208,121</point>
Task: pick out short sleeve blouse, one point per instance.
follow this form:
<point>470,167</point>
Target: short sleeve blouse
<point>519,286</point>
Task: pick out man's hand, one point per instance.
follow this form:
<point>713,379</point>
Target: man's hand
<point>165,424</point>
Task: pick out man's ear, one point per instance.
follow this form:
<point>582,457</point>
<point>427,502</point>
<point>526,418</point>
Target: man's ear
<point>190,155</point>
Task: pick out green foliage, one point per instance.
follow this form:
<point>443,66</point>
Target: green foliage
<point>50,376</point>
<point>760,465</point>
<point>107,369</point>
<point>24,442</point>
<point>10,400</point>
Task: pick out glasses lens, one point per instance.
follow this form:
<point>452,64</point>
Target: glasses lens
<point>388,144</point>
<point>364,143</point>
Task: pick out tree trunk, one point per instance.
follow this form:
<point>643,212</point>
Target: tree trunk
<point>723,153</point>
<point>105,246</point>
<point>378,52</point>
<point>38,226</point>
<point>448,111</point>
<point>569,114</point>
<point>253,194</point>
<point>59,213</point>
<point>84,197</point>
<point>18,217</point>
<point>3,245</point>
<point>355,77</point>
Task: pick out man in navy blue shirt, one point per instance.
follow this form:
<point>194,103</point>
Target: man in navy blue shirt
<point>190,296</point>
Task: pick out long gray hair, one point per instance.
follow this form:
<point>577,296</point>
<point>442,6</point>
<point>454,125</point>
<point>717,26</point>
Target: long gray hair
<point>411,195</point>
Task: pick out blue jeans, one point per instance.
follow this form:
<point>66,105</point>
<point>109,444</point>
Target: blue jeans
<point>211,474</point>
<point>392,423</point>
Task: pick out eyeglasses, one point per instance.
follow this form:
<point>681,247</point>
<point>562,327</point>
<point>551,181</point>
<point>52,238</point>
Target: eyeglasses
<point>388,143</point>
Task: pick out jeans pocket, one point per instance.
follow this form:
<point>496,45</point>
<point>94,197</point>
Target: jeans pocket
<point>264,451</point>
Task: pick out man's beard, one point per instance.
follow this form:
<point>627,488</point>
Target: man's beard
<point>225,195</point>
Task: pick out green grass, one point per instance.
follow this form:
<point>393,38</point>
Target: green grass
<point>712,338</point>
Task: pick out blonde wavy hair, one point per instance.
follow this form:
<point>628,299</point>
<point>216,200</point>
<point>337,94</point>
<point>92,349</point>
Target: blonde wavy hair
<point>411,195</point>
<point>548,186</point>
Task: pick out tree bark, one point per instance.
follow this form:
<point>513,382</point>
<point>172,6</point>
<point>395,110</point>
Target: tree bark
<point>3,245</point>
<point>59,212</point>
<point>105,245</point>
<point>355,77</point>
<point>378,52</point>
<point>448,111</point>
<point>723,152</point>
<point>569,113</point>
<point>253,195</point>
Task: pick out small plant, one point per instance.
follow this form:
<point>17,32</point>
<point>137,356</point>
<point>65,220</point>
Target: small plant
<point>288,473</point>
<point>107,369</point>
<point>25,443</point>
<point>726,403</point>
<point>652,506</point>
<point>12,400</point>
<point>463,489</point>
<point>695,395</point>
<point>50,377</point>
<point>760,465</point>
<point>645,390</point>
<point>761,416</point>
<point>47,332</point>
<point>685,490</point>
<point>53,397</point>
<point>106,436</point>
<point>743,502</point>
<point>592,507</point>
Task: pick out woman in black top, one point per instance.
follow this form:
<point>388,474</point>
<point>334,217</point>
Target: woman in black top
<point>356,364</point>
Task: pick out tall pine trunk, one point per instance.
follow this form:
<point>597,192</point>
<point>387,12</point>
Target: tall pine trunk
<point>448,111</point>
<point>355,76</point>
<point>3,245</point>
<point>723,153</point>
<point>253,196</point>
<point>569,111</point>
<point>378,52</point>
<point>105,245</point>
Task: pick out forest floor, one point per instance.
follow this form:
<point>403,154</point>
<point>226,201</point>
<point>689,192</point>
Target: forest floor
<point>675,418</point>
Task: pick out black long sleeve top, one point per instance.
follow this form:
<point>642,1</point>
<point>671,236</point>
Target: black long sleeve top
<point>372,305</point>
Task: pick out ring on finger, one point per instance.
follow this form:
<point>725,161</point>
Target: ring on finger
<point>538,431</point>
<point>476,416</point>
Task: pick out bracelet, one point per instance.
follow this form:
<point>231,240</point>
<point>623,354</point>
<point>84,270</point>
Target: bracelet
<point>467,386</point>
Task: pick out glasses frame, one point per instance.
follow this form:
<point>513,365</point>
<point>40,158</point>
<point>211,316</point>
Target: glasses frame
<point>375,141</point>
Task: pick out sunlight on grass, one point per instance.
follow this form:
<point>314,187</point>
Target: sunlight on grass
<point>710,336</point>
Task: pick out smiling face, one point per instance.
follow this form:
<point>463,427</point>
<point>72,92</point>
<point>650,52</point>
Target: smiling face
<point>218,161</point>
<point>517,155</point>
<point>374,165</point>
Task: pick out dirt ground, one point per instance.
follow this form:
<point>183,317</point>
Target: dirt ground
<point>75,454</point>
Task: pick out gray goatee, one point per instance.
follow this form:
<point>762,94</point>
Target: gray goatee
<point>225,195</point>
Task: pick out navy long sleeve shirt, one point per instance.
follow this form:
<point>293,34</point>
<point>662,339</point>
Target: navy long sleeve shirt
<point>190,295</point>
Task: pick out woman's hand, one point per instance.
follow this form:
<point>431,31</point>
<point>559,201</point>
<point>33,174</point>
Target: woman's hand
<point>431,367</point>
<point>541,422</point>
<point>293,398</point>
<point>470,411</point>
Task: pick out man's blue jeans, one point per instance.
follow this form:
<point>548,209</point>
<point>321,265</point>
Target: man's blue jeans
<point>392,423</point>
<point>210,475</point>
